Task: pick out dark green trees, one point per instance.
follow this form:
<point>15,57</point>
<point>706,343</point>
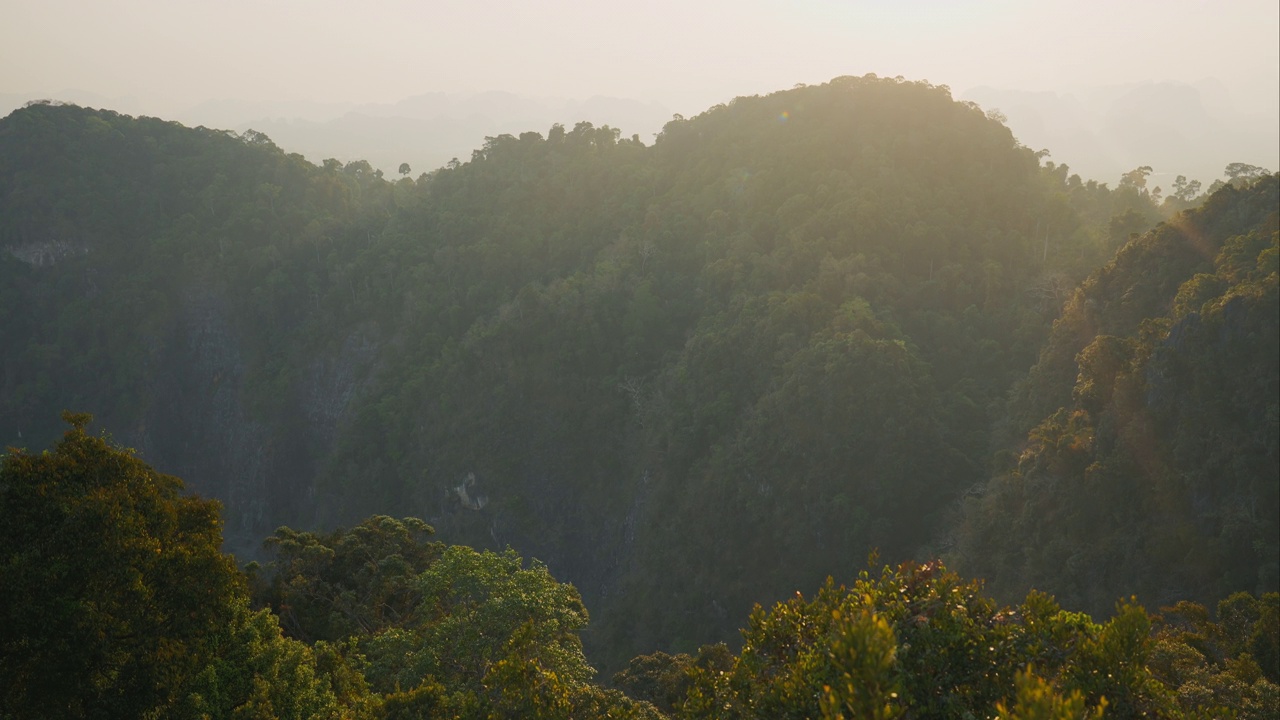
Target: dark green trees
<point>921,642</point>
<point>116,599</point>
<point>753,344</point>
<point>494,638</point>
<point>100,615</point>
<point>1233,662</point>
<point>461,634</point>
<point>348,582</point>
<point>1153,466</point>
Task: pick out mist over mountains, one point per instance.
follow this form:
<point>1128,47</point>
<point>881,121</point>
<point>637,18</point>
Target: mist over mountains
<point>426,131</point>
<point>794,334</point>
<point>1178,128</point>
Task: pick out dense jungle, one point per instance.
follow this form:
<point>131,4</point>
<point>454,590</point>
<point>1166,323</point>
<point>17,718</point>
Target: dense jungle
<point>833,402</point>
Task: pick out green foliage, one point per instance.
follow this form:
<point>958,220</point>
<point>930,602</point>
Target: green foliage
<point>1225,665</point>
<point>426,701</point>
<point>921,642</point>
<point>690,376</point>
<point>1135,285</point>
<point>98,614</point>
<point>256,672</point>
<point>479,609</point>
<point>1159,473</point>
<point>116,600</point>
<point>348,582</point>
<point>1037,700</point>
<point>664,680</point>
<point>497,640</point>
<point>862,655</point>
<point>426,631</point>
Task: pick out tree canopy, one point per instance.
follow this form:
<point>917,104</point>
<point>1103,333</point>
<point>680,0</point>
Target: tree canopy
<point>689,376</point>
<point>117,601</point>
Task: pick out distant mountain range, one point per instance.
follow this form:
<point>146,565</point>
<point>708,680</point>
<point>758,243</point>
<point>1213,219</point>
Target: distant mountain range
<point>1191,129</point>
<point>426,131</point>
<point>1176,128</point>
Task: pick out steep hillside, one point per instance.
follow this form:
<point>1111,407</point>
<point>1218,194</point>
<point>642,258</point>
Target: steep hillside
<point>689,376</point>
<point>166,278</point>
<point>1154,467</point>
<point>1138,284</point>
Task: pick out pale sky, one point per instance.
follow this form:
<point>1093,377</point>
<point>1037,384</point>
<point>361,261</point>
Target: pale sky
<point>164,56</point>
<point>684,54</point>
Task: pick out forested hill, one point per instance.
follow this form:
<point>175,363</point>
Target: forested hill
<point>1151,465</point>
<point>688,376</point>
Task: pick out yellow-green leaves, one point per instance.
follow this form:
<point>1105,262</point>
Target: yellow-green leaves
<point>1039,700</point>
<point>865,683</point>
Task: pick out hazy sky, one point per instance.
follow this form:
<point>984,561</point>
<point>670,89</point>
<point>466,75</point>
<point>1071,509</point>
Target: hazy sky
<point>684,54</point>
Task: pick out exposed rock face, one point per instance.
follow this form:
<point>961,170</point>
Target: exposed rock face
<point>46,253</point>
<point>465,498</point>
<point>200,423</point>
<point>196,425</point>
<point>332,382</point>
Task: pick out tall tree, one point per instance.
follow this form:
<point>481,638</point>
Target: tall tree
<point>117,601</point>
<point>101,613</point>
